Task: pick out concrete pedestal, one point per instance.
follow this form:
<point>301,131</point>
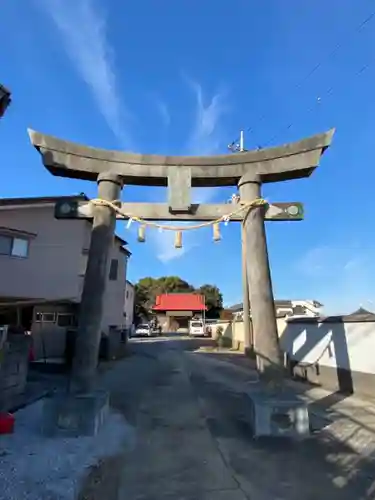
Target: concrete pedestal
<point>74,415</point>
<point>279,414</point>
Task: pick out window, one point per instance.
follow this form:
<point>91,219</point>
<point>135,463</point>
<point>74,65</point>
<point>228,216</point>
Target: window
<point>45,317</point>
<point>113,270</point>
<point>285,311</point>
<point>16,247</point>
<point>299,310</point>
<point>127,294</point>
<point>5,245</point>
<point>65,319</point>
<point>83,265</point>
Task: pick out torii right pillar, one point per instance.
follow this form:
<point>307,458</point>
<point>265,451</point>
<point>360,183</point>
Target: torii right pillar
<point>272,166</point>
<point>265,334</point>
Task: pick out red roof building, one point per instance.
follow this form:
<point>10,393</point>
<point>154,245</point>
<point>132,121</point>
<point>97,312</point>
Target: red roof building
<point>180,302</point>
<point>174,310</point>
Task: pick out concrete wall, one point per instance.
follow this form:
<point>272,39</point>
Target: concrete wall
<point>339,355</point>
<point>52,267</point>
<point>129,304</point>
<point>13,369</point>
<point>228,328</point>
<point>336,354</point>
<point>233,330</point>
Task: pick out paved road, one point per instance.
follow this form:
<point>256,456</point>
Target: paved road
<point>194,442</point>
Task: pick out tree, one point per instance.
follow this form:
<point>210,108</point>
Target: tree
<point>174,284</point>
<point>213,298</point>
<point>141,302</point>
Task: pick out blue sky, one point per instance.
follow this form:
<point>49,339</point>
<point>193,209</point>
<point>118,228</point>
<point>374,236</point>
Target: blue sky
<point>183,77</point>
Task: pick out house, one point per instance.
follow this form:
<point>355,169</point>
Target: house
<point>360,312</point>
<point>174,310</point>
<point>129,304</point>
<point>42,267</point>
<point>286,308</point>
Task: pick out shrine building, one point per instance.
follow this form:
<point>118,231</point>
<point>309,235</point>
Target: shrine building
<point>174,310</point>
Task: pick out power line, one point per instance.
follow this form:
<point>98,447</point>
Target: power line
<point>327,93</point>
<point>337,47</point>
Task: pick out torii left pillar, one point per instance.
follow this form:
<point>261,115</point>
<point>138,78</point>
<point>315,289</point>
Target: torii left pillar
<point>87,344</point>
<point>84,408</point>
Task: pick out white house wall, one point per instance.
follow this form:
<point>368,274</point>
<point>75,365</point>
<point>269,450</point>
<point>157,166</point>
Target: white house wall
<point>113,310</point>
<point>339,356</point>
<point>310,308</point>
<point>52,267</point>
<point>129,304</point>
<point>55,266</point>
<point>115,289</point>
<point>344,345</point>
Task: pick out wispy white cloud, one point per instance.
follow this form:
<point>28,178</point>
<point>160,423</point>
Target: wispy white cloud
<point>206,135</point>
<point>340,277</point>
<point>163,111</point>
<point>165,243</point>
<point>205,139</point>
<point>82,27</point>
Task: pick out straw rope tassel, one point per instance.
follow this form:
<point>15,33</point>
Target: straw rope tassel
<point>178,239</point>
<point>216,231</point>
<point>141,234</point>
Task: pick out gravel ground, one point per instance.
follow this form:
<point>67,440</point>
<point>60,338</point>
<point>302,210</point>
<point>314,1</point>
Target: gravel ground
<point>33,467</point>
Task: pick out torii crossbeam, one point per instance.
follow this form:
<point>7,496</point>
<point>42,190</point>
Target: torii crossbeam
<point>247,170</point>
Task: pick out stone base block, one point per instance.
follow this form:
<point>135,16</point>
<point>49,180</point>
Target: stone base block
<point>279,415</point>
<point>74,415</point>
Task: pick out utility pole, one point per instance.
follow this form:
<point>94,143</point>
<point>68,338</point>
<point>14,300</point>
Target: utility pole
<point>248,340</point>
<point>242,149</point>
<point>235,147</point>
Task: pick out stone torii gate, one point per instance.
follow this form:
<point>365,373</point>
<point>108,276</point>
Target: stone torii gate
<point>113,169</point>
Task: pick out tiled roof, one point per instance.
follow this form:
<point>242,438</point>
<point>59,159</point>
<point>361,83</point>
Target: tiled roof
<point>179,302</point>
<point>360,311</point>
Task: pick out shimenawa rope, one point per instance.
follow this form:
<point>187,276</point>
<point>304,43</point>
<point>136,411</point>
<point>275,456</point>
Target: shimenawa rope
<point>166,227</point>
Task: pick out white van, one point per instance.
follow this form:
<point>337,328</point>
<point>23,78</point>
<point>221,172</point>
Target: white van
<point>196,327</point>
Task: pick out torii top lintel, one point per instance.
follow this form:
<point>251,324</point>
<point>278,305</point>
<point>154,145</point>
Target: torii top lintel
<point>290,161</point>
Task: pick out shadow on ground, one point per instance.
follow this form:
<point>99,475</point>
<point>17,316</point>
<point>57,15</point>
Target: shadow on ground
<point>164,378</point>
<point>322,466</point>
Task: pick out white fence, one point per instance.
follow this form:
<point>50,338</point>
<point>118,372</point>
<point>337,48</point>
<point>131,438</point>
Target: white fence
<point>336,352</point>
